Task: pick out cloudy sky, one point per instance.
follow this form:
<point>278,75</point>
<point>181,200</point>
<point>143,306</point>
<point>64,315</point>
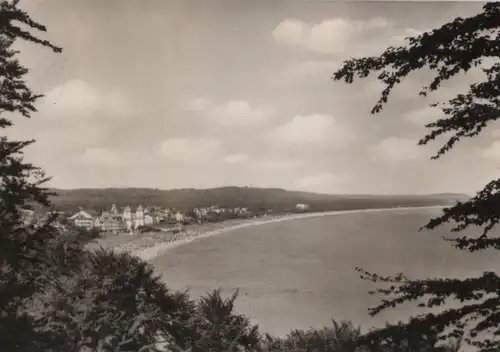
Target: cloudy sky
<point>174,94</point>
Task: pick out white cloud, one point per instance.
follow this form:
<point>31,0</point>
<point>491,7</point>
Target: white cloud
<point>492,152</point>
<point>317,130</point>
<point>324,182</point>
<point>343,35</point>
<point>231,113</point>
<point>103,157</point>
<point>190,150</point>
<point>291,32</point>
<point>394,149</point>
<point>236,158</point>
<point>335,35</point>
<point>424,116</point>
<point>76,99</point>
<point>240,112</point>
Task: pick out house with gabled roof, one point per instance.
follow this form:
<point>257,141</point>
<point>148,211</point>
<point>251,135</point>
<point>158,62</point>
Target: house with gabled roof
<point>84,218</point>
<point>110,221</point>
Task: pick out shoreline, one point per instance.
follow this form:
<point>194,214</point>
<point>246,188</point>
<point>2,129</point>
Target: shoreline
<point>160,245</point>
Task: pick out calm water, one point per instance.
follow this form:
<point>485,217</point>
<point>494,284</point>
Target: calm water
<point>298,274</point>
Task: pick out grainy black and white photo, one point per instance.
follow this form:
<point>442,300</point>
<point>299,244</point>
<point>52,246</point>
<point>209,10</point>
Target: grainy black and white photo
<point>249,176</point>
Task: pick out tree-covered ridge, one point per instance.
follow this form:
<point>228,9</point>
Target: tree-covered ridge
<point>454,48</point>
<point>231,197</point>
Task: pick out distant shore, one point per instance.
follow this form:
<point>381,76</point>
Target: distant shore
<point>152,245</point>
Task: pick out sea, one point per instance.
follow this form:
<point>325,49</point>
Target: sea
<point>299,274</point>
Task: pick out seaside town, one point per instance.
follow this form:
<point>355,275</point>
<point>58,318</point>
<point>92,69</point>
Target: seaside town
<point>141,230</point>
<point>142,219</point>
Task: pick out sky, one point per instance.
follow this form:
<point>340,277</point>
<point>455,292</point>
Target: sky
<point>199,94</point>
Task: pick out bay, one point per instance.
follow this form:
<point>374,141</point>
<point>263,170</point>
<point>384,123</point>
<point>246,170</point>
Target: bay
<point>301,273</point>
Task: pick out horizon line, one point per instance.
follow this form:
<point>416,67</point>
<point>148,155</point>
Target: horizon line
<point>257,187</point>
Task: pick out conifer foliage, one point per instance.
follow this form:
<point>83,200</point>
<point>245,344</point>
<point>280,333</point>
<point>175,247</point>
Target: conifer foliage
<point>20,182</point>
<point>22,248</point>
<point>452,49</point>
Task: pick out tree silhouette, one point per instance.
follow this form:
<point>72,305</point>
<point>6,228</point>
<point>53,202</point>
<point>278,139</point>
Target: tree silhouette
<point>342,336</point>
<point>109,303</point>
<point>454,48</point>
<point>220,329</point>
<point>54,295</point>
<point>22,249</point>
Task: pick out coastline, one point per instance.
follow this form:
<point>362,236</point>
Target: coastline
<point>148,247</point>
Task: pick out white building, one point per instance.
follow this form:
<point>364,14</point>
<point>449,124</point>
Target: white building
<point>302,206</point>
<point>149,219</point>
<point>110,221</point>
<point>179,217</point>
<point>139,217</point>
<point>84,219</point>
<point>134,220</point>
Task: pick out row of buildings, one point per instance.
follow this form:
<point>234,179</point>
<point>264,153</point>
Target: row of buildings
<point>116,220</point>
<point>120,220</point>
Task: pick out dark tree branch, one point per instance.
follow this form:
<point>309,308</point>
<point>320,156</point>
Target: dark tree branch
<point>454,48</point>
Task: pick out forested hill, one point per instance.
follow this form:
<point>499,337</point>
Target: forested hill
<point>253,198</point>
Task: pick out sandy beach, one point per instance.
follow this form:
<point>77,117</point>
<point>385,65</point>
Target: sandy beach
<point>151,245</point>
